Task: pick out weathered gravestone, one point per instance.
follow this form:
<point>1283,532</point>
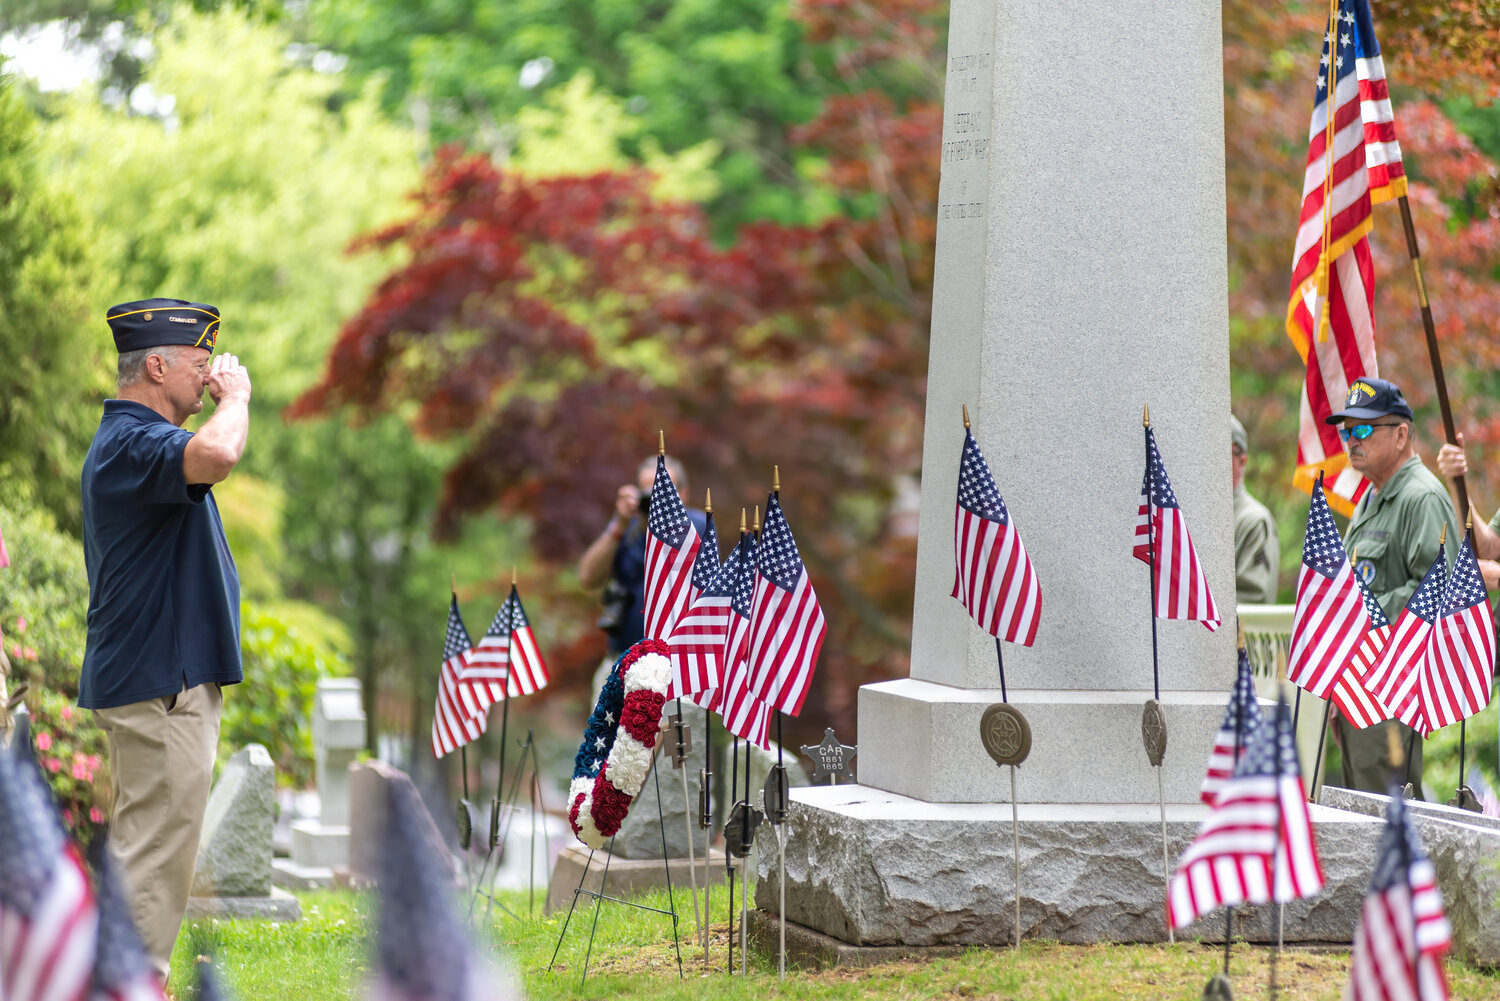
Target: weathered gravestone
<point>1071,288</point>
<point>338,726</point>
<point>233,873</point>
<point>369,793</point>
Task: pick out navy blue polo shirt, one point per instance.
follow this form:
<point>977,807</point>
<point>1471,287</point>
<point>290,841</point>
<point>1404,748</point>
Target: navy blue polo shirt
<point>629,569</point>
<point>164,594</point>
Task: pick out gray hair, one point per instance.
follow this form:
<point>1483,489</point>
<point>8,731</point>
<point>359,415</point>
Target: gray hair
<point>675,470</point>
<point>132,364</point>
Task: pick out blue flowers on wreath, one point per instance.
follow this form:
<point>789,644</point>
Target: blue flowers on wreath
<point>599,735</point>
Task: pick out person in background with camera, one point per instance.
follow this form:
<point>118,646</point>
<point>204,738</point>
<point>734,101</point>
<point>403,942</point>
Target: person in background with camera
<point>616,560</point>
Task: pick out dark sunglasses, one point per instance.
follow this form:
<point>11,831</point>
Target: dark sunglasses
<point>1360,432</point>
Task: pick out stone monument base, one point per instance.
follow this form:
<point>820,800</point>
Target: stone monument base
<point>874,868</point>
<point>628,877</point>
<point>279,906</point>
<point>318,845</point>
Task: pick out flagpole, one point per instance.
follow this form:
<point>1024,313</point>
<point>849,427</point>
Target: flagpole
<point>1161,793</point>
<point>745,824</point>
<point>1393,743</point>
<point>1324,281</point>
<point>510,649</point>
<point>734,795</point>
<point>1239,746</point>
<point>1276,848</point>
<point>781,789</point>
<point>1430,328</point>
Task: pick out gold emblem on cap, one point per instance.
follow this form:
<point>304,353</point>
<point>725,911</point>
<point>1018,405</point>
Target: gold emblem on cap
<point>147,317</point>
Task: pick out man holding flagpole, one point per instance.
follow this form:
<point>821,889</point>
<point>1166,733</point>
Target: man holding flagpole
<point>1453,463</point>
<point>1395,531</point>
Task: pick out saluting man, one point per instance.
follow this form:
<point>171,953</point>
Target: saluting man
<point>1395,529</point>
<point>164,594</point>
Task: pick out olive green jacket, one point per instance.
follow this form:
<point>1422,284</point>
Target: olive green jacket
<point>1257,551</point>
<point>1394,533</point>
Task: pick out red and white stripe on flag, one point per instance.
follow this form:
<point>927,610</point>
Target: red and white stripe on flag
<point>1382,967</point>
<point>697,645</point>
<point>1366,170</point>
<point>1181,588</point>
<point>786,633</point>
<point>485,671</point>
<point>1329,620</point>
<point>528,671</point>
<point>1395,675</point>
<point>669,574</point>
<point>456,720</point>
<point>993,577</point>
<point>1460,662</point>
<point>1355,702</point>
<point>48,955</point>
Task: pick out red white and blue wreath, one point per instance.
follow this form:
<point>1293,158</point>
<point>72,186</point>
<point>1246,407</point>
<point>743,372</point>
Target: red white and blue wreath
<point>615,755</point>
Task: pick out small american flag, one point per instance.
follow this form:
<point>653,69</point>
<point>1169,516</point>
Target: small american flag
<point>1402,933</point>
<point>487,668</point>
<point>993,576</point>
<point>697,641</point>
<point>1241,727</point>
<point>1461,653</point>
<point>1395,677</point>
<point>786,623</point>
<point>1366,170</point>
<point>1358,704</point>
<point>528,671</point>
<point>460,713</point>
<point>122,971</point>
<point>422,950</point>
<point>1257,844</point>
<point>48,918</point>
<point>671,548</point>
<point>1181,589</point>
<point>745,716</point>
<point>1329,620</point>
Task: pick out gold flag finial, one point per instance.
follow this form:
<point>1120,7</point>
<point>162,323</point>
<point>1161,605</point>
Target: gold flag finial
<point>661,442</point>
<point>1468,519</point>
<point>512,575</point>
<point>1146,415</point>
<point>1443,535</point>
<point>1354,556</point>
<point>743,529</point>
<point>966,416</point>
<point>775,479</point>
<point>756,523</point>
<point>1393,747</point>
<point>708,501</point>
<point>1240,629</point>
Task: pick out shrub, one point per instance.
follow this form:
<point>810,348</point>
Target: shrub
<point>44,600</point>
<point>72,752</point>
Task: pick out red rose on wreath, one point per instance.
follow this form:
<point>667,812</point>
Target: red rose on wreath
<point>641,715</point>
<point>610,807</point>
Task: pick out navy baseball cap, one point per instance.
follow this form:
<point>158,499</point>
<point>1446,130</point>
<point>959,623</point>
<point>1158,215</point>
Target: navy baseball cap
<point>152,323</point>
<point>1370,398</point>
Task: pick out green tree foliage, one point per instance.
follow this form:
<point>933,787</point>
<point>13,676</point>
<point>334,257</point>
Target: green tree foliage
<point>51,373</point>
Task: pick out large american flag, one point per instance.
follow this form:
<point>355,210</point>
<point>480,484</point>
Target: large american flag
<point>1402,933</point>
<point>697,641</point>
<point>422,951</point>
<point>1357,703</point>
<point>528,671</point>
<point>459,716</point>
<point>786,622</point>
<point>745,715</point>
<point>48,918</point>
<point>992,576</point>
<point>1395,677</point>
<point>1240,728</point>
<point>1329,620</point>
<point>122,971</point>
<point>1181,589</point>
<point>671,548</point>
<point>1461,652</point>
<point>1257,844</point>
<point>1367,170</point>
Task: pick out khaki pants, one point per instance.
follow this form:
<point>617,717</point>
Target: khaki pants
<point>161,764</point>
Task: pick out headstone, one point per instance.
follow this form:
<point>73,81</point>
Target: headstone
<point>640,836</point>
<point>369,794</point>
<point>232,878</point>
<point>338,726</point>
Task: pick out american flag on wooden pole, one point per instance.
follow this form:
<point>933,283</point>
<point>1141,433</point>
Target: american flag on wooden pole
<point>671,548</point>
<point>786,622</point>
<point>1161,531</point>
<point>1240,728</point>
<point>461,713</point>
<point>48,917</point>
<point>486,669</point>
<point>993,577</point>
<point>1257,844</point>
<point>1461,653</point>
<point>1357,703</point>
<point>697,641</point>
<point>1353,162</point>
<point>122,970</point>
<point>1329,620</point>
<point>528,671</point>
<point>1395,678</point>
<point>1403,932</point>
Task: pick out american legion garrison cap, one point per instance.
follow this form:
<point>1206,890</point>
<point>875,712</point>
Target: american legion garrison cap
<point>1370,398</point>
<point>151,323</point>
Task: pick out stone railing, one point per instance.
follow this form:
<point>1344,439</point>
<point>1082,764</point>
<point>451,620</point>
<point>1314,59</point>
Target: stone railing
<point>1268,637</point>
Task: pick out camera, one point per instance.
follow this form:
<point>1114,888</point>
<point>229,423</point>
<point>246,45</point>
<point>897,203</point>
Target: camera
<point>645,502</point>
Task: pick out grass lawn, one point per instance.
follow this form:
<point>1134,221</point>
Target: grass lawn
<point>325,957</point>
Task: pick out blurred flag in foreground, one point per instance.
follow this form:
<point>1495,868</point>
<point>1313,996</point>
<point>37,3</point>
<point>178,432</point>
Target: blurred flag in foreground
<point>1241,727</point>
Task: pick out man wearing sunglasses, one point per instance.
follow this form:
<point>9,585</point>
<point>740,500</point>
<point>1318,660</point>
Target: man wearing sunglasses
<point>1394,533</point>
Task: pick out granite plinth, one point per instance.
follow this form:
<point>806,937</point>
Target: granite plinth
<point>874,868</point>
<point>318,845</point>
<point>627,877</point>
<point>1086,746</point>
<point>278,905</point>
